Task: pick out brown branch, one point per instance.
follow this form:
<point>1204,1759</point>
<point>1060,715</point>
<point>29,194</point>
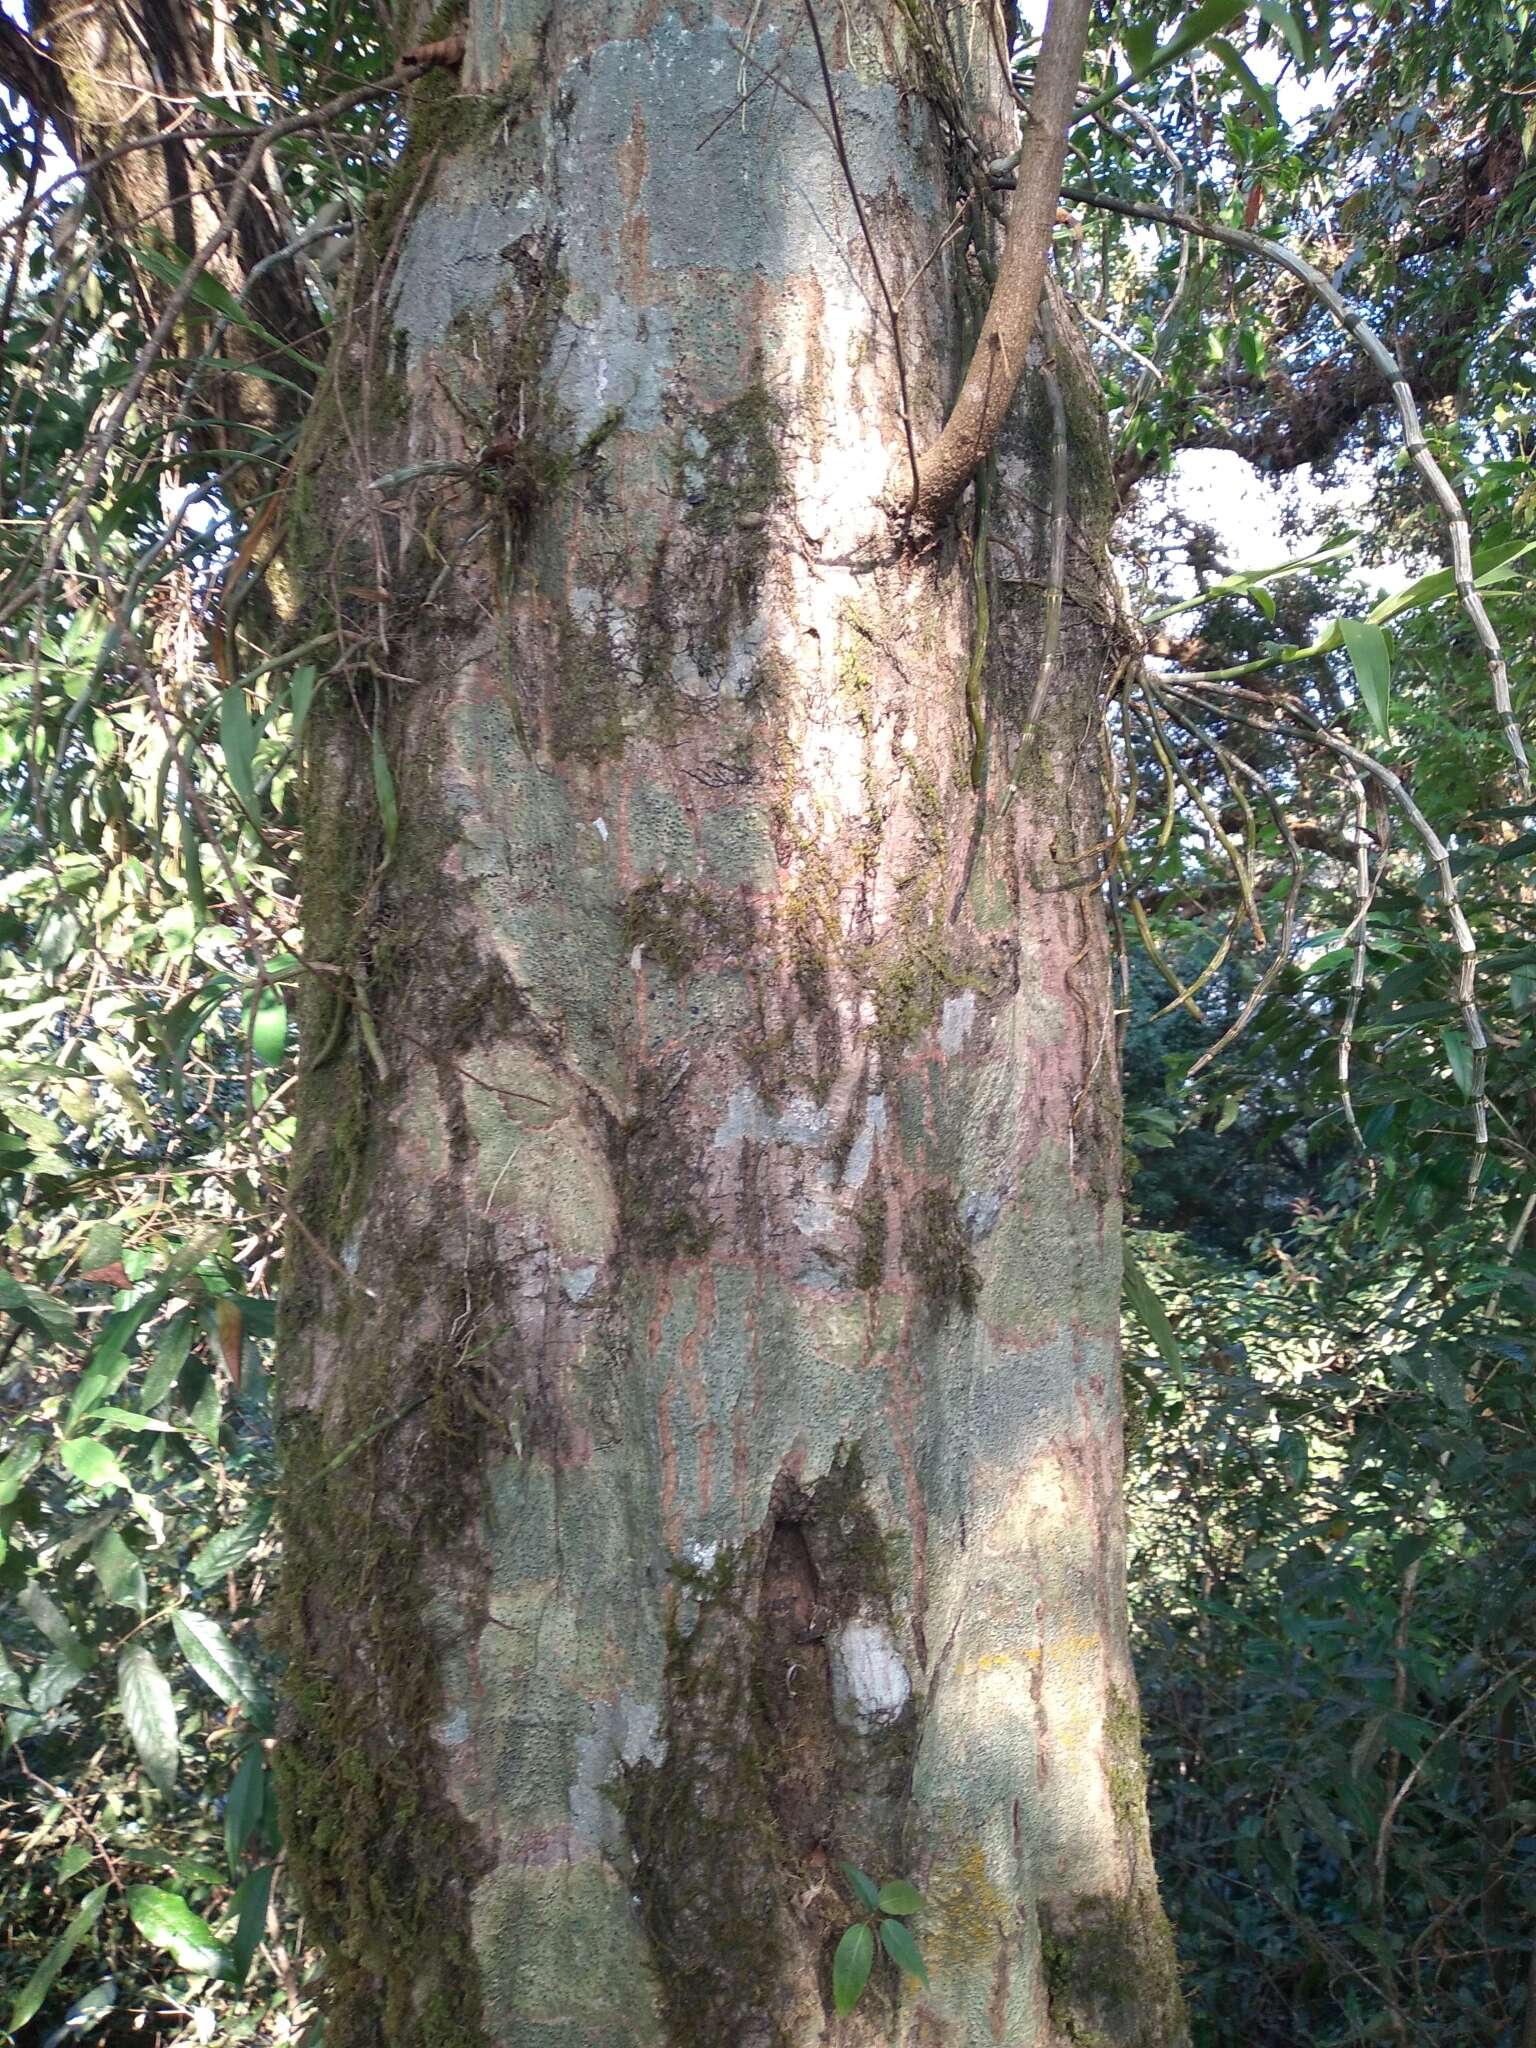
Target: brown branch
<point>990,382</point>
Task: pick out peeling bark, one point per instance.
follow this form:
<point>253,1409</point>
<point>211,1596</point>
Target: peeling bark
<point>700,1378</point>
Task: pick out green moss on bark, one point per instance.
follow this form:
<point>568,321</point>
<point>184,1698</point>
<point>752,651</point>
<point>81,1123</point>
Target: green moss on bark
<point>1111,1971</point>
<point>937,1253</point>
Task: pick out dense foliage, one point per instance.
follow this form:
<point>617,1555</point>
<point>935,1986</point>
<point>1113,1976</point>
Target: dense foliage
<point>1331,1467</point>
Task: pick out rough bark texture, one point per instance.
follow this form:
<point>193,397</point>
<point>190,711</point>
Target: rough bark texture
<point>699,1367</point>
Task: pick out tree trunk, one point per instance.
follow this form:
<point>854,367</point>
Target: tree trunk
<point>700,1379</point>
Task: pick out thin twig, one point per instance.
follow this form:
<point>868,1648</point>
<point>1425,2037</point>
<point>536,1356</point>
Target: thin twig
<point>1361,332</point>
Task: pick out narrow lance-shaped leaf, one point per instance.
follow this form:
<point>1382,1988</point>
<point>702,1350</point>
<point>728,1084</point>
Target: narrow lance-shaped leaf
<point>1149,1311</point>
<point>249,1906</point>
<point>1370,654</point>
<point>40,1983</point>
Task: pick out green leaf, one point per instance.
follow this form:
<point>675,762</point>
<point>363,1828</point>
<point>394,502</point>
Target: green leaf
<point>230,1548</point>
<point>1489,565</point>
<point>1288,21</point>
<point>172,1344</point>
<point>221,1667</point>
<point>144,1694</point>
<point>1370,653</point>
<point>92,1463</point>
<point>851,1966</point>
<point>48,1618</point>
<point>301,692</point>
<point>72,1862</point>
<point>1197,27</point>
<point>1239,70</point>
<point>384,787</point>
<point>119,1571</point>
<point>168,1922</point>
<point>245,1804</point>
<point>896,1940</point>
<point>899,1897</point>
<point>249,1906</point>
<point>1150,1313</point>
<point>237,738</point>
<point>40,1983</point>
<point>268,1026</point>
<point>50,1319</point>
<point>1458,1051</point>
<point>53,1680</point>
<point>15,1469</point>
<point>865,1888</point>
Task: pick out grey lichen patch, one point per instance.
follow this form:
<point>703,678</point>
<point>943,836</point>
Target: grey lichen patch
<point>1111,1971</point>
<point>937,1253</point>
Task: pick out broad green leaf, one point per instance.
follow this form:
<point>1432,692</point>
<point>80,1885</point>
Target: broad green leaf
<point>54,1680</point>
<point>1458,1051</point>
<point>93,1463</point>
<point>899,1897</point>
<point>168,1922</point>
<point>16,1468</point>
<point>72,1862</point>
<point>851,1966</point>
<point>215,1659</point>
<point>1370,654</point>
<point>896,1940</point>
<point>120,1573</point>
<point>40,1312</point>
<point>230,1548</point>
<point>144,1694</point>
<point>865,1888</point>
<point>49,1619</point>
<point>249,1907</point>
<point>245,1804</point>
<point>40,1983</point>
<point>1150,1313</point>
<point>268,1026</point>
<point>172,1344</point>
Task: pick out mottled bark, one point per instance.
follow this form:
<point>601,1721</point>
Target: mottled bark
<point>699,1370</point>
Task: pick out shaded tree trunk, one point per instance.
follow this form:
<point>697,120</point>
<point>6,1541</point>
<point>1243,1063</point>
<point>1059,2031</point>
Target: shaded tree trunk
<point>700,1379</point>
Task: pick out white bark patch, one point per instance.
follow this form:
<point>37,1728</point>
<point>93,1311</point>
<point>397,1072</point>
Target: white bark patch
<point>578,1284</point>
<point>800,1122</point>
<point>955,1025</point>
<point>862,1151</point>
<point>625,1731</point>
<point>870,1686</point>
